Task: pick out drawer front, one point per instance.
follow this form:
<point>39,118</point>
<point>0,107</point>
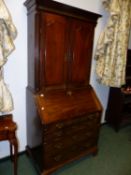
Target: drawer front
<point>7,135</point>
<point>66,143</point>
<point>4,135</point>
<point>69,153</point>
<point>77,125</point>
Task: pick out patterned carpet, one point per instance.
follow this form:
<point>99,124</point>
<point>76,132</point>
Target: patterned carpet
<point>114,158</point>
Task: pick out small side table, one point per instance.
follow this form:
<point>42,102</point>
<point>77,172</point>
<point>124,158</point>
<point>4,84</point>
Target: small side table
<point>8,132</point>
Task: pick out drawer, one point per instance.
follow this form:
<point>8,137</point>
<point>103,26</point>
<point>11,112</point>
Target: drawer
<point>73,125</point>
<point>76,131</point>
<point>57,145</point>
<point>68,153</point>
<point>4,135</point>
<point>86,127</point>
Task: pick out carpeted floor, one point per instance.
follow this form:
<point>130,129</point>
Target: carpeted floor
<point>114,158</point>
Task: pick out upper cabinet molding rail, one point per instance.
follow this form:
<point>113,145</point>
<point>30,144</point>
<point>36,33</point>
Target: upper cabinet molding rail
<point>56,7</point>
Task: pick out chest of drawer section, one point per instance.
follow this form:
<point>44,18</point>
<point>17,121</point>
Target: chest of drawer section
<point>66,139</point>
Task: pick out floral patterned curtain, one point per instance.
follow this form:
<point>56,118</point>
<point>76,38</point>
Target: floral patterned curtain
<point>113,44</point>
<point>7,35</point>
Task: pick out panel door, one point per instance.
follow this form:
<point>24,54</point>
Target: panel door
<point>53,51</point>
<point>81,39</point>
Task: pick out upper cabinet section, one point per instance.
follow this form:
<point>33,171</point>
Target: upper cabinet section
<point>60,53</point>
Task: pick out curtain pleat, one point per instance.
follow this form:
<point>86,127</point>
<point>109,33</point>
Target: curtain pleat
<point>111,51</point>
<point>8,33</point>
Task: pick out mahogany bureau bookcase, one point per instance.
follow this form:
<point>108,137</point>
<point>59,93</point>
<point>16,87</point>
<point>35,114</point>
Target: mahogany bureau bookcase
<point>63,111</point>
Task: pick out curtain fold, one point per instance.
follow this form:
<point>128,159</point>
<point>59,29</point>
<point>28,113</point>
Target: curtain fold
<point>8,33</point>
<point>112,45</point>
<point>6,101</point>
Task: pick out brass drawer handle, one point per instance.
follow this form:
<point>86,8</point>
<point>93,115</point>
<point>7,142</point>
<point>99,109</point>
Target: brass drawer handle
<point>92,116</point>
<point>59,125</point>
<point>58,134</point>
<point>74,137</point>
<point>57,158</point>
<point>88,134</point>
<point>74,127</point>
<point>58,146</point>
<point>69,93</point>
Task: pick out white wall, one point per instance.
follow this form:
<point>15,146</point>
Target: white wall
<point>16,67</point>
<point>16,73</point>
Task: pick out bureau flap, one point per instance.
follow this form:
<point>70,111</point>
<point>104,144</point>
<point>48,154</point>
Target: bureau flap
<point>60,105</point>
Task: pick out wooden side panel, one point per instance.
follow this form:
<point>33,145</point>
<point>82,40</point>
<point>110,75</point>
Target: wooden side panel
<point>53,50</point>
<point>31,53</point>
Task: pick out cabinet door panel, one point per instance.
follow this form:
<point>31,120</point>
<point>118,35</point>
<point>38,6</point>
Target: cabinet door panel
<point>53,50</point>
<point>81,49</point>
